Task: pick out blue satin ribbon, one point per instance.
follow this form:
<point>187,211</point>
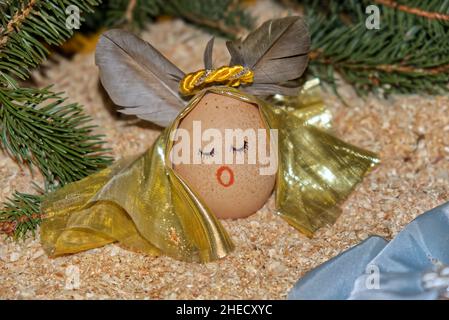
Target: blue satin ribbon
<point>414,265</point>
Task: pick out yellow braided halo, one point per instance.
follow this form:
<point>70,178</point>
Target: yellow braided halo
<point>232,76</point>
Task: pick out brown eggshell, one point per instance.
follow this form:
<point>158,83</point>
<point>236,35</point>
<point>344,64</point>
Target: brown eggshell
<point>229,190</point>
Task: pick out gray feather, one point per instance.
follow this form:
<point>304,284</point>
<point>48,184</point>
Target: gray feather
<point>208,54</point>
<point>277,51</point>
<point>234,48</point>
<point>139,78</point>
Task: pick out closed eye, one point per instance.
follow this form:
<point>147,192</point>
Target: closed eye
<point>207,154</point>
<point>242,148</point>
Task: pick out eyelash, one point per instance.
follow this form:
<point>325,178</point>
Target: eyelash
<point>209,154</point>
<point>212,152</point>
<point>244,148</point>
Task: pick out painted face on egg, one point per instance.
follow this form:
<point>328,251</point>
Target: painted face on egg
<point>230,190</point>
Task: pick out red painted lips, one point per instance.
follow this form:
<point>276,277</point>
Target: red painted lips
<point>225,176</point>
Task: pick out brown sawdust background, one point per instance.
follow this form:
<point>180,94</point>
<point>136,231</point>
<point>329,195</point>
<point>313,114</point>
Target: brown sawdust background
<point>409,132</point>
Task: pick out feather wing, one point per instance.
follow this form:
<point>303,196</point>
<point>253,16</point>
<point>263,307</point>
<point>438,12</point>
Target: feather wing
<point>276,52</point>
<point>208,63</point>
<point>138,77</point>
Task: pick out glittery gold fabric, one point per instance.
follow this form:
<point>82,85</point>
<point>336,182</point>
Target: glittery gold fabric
<point>143,204</point>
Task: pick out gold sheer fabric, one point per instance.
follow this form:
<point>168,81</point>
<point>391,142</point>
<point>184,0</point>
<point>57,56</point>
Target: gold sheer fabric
<point>144,205</point>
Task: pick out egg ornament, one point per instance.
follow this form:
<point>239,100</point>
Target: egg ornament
<point>231,189</point>
<point>170,199</point>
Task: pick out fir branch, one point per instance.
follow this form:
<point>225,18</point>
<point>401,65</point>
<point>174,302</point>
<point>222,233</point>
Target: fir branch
<point>20,215</point>
<point>411,10</point>
<point>25,27</point>
<point>15,22</point>
<point>37,128</point>
<point>409,54</point>
<point>224,16</point>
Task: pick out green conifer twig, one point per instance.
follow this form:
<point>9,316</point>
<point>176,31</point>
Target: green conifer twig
<point>227,17</point>
<point>408,54</point>
<point>37,127</point>
<point>25,27</point>
<point>20,215</point>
